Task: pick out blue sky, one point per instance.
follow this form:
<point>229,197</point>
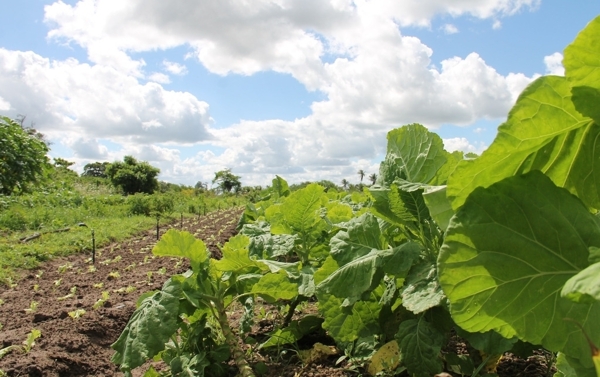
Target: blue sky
<point>302,88</point>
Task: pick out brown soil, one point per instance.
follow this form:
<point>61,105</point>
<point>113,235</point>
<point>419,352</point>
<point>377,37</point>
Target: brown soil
<point>81,347</point>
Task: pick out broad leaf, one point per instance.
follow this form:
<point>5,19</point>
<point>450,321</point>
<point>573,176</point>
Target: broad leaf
<point>280,186</point>
<point>347,324</point>
<point>182,244</point>
<point>420,345</point>
<point>543,132</point>
<point>301,208</point>
<point>276,286</point>
<point>149,328</point>
<point>507,254</point>
<point>582,69</point>
<point>362,236</point>
<point>235,256</point>
<point>421,290</point>
<point>366,272</point>
<point>585,286</point>
<point>413,154</point>
<point>439,206</point>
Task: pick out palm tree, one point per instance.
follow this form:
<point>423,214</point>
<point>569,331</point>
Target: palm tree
<point>361,174</point>
<point>345,183</point>
<point>373,178</point>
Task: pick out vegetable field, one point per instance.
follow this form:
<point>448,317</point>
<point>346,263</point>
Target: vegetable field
<point>449,264</point>
<point>80,308</point>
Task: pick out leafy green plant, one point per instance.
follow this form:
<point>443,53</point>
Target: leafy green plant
<point>521,253</point>
<point>198,295</point>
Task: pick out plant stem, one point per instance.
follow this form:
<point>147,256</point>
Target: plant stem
<point>236,351</point>
<point>290,313</point>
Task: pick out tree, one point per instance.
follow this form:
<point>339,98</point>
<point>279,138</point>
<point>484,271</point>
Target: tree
<point>22,157</point>
<point>361,174</point>
<point>373,178</point>
<point>95,169</point>
<point>133,176</point>
<point>345,183</point>
<point>227,181</point>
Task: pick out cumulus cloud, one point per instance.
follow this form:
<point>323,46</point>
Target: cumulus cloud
<point>554,64</point>
<point>449,29</point>
<point>372,77</point>
<point>175,68</point>
<point>98,101</point>
<point>462,144</point>
<point>160,78</point>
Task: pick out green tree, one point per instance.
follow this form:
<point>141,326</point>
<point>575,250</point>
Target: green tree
<point>345,183</point>
<point>227,181</point>
<point>22,157</point>
<point>95,169</point>
<point>373,178</point>
<point>133,176</point>
<point>361,174</point>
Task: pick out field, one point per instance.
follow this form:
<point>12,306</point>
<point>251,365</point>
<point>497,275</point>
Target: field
<point>74,344</point>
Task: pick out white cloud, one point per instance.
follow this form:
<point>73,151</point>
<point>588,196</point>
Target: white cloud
<point>175,68</point>
<point>373,79</point>
<point>69,97</point>
<point>497,25</point>
<point>4,105</point>
<point>554,64</point>
<point>449,29</point>
<point>462,144</point>
<point>160,78</point>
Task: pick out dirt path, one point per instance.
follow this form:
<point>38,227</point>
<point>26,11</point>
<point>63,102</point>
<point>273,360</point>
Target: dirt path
<point>61,287</point>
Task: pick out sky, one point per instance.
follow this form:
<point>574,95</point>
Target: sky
<point>304,89</point>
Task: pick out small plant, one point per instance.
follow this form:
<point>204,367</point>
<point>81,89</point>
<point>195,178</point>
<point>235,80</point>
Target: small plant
<point>101,301</point>
<point>1,302</point>
<point>114,275</point>
<point>63,268</point>
<point>99,285</point>
<point>125,290</point>
<point>57,282</point>
<point>92,269</point>
<point>71,294</point>
<point>161,271</point>
<point>76,314</point>
<point>36,287</point>
<point>32,307</point>
<point>30,341</point>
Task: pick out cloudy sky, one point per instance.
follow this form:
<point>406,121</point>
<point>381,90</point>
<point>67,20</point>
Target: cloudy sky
<point>306,89</point>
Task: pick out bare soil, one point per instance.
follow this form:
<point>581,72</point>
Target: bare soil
<point>81,346</point>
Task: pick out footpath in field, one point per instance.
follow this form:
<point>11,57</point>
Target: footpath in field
<point>80,309</point>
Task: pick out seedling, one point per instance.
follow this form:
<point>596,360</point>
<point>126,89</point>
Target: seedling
<point>101,301</point>
<point>36,287</point>
<point>114,275</point>
<point>39,274</point>
<point>162,271</point>
<point>57,282</point>
<point>92,269</point>
<point>30,341</point>
<point>67,266</point>
<point>71,294</point>
<point>32,307</point>
<point>98,285</point>
<point>1,302</point>
<point>125,290</point>
<point>76,314</point>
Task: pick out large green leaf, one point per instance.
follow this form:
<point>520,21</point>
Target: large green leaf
<point>366,272</point>
<point>413,154</point>
<point>276,287</point>
<point>301,208</point>
<point>507,254</point>
<point>439,206</point>
<point>582,69</point>
<point>420,345</point>
<point>585,286</point>
<point>347,324</point>
<point>236,256</point>
<point>149,328</point>
<point>421,290</point>
<point>280,186</point>
<point>362,236</point>
<point>543,132</point>
<point>182,244</point>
